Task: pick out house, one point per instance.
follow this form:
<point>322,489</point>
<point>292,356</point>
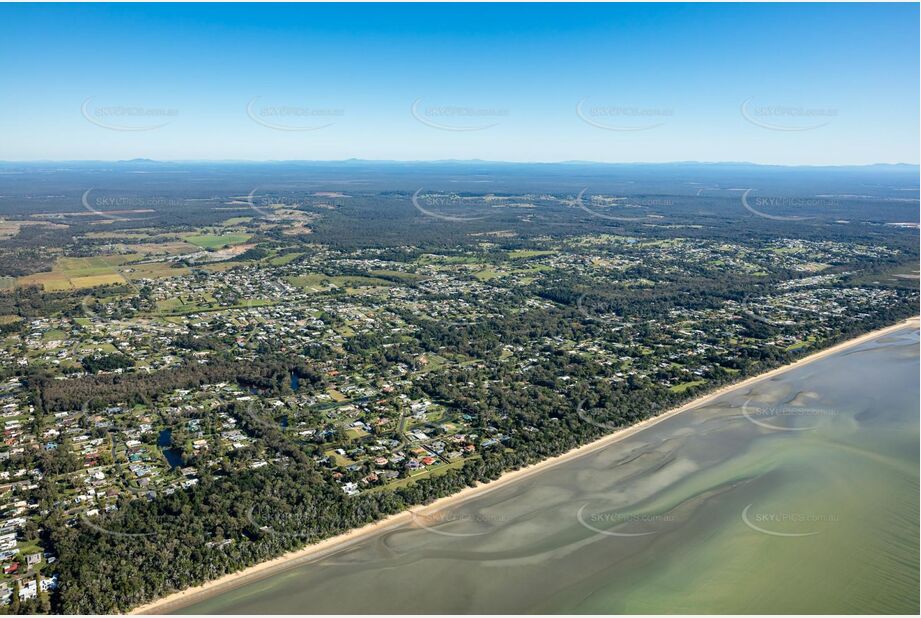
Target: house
<point>49,583</point>
<point>28,590</point>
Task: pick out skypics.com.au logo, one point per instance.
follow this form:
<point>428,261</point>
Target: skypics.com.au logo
<point>292,118</point>
<point>127,118</point>
<point>623,118</point>
<point>786,118</point>
<point>457,118</point>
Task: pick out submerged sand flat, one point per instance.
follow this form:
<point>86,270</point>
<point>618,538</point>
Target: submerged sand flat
<point>794,494</point>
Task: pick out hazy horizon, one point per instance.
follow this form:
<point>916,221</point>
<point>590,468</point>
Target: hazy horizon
<point>460,161</point>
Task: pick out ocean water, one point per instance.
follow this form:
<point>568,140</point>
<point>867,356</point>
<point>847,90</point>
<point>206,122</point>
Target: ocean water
<point>798,494</point>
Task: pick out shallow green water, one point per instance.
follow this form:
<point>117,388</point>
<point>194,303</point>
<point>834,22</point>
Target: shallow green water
<point>799,494</point>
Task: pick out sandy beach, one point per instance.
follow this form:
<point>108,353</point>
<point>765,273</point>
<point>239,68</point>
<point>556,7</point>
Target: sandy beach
<point>179,599</point>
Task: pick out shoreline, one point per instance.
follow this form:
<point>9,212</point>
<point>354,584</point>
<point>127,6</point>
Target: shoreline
<point>183,598</point>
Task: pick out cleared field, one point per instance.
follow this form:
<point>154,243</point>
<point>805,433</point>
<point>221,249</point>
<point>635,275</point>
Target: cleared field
<point>96,265</point>
<point>174,304</point>
<point>87,272</point>
<point>50,282</point>
<point>281,260</point>
<point>397,274</point>
<point>175,247</point>
<point>219,267</point>
<point>153,270</point>
<point>119,234</point>
<point>237,221</point>
<point>355,433</point>
<point>488,274</point>
<point>345,330</point>
<point>188,305</point>
<point>527,253</point>
<point>54,334</point>
<point>94,280</point>
<point>8,229</point>
<point>338,459</point>
<point>447,259</point>
<point>320,283</point>
<point>216,241</point>
<point>680,388</point>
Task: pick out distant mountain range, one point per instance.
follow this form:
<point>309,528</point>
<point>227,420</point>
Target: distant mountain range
<point>460,162</point>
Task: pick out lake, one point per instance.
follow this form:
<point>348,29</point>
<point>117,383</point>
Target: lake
<point>798,494</point>
<point>173,455</point>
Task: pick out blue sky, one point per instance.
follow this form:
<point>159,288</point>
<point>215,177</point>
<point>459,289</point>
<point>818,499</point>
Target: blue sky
<point>783,84</point>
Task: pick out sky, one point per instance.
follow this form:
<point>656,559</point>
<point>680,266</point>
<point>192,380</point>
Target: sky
<point>807,84</point>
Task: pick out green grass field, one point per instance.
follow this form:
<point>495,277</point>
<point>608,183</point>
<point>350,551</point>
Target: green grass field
<point>216,241</point>
<point>397,274</point>
<point>88,272</point>
<point>287,258</point>
<point>237,221</point>
<point>680,388</point>
<point>799,345</point>
<point>322,283</point>
<point>355,433</point>
<point>527,253</point>
<point>92,281</point>
<point>488,274</point>
<point>54,335</point>
<point>338,459</point>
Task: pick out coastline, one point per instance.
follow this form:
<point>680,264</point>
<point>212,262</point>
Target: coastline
<point>183,598</point>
